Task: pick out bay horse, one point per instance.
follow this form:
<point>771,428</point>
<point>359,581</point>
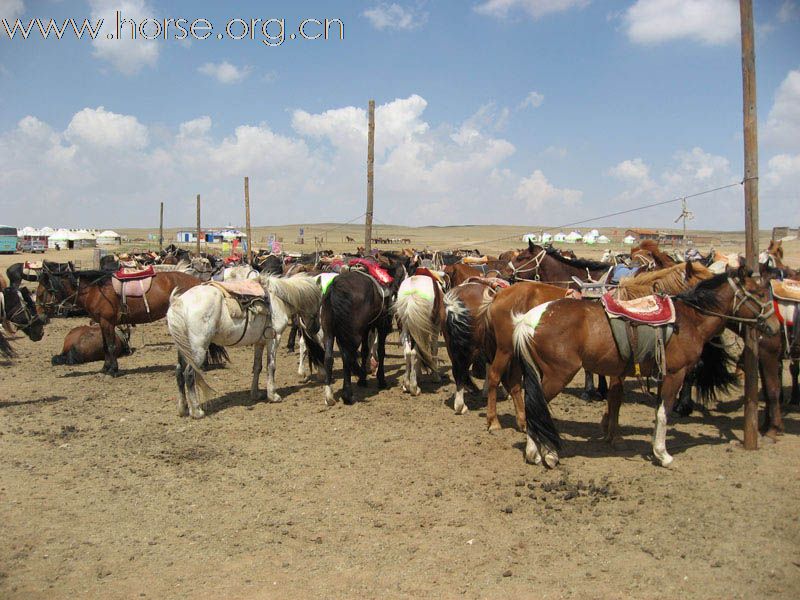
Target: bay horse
<point>355,305</point>
<point>16,272</point>
<point>537,263</point>
<point>93,291</point>
<point>17,310</point>
<point>420,309</point>
<point>651,256</point>
<point>84,344</point>
<point>556,339</point>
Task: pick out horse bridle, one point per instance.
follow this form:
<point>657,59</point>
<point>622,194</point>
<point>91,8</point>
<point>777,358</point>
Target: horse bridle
<point>23,309</point>
<point>521,269</point>
<point>741,297</point>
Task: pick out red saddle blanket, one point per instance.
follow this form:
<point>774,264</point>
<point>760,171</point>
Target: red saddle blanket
<point>125,274</point>
<point>649,310</point>
<point>379,274</point>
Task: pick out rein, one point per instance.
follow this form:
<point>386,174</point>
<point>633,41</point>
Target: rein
<point>740,298</point>
<point>521,269</point>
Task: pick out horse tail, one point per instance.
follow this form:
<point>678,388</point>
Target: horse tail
<point>713,373</point>
<point>482,312</point>
<point>315,350</point>
<point>339,305</point>
<point>458,325</point>
<point>539,421</point>
<point>416,314</point>
<point>179,330</point>
<point>300,292</point>
<point>217,355</point>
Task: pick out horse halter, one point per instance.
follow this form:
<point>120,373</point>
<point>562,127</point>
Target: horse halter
<point>521,269</point>
<point>741,297</point>
<point>22,309</point>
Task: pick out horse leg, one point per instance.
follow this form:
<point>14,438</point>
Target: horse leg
<point>410,384</point>
<point>183,407</point>
<point>771,367</point>
<point>190,377</point>
<point>303,370</point>
<point>513,382</point>
<point>794,372</point>
<point>272,365</point>
<point>496,370</point>
<point>435,375</point>
<point>384,327</point>
<point>365,352</point>
<point>602,387</point>
<point>669,390</point>
<point>258,359</point>
<point>328,343</point>
<point>110,366</point>
<point>685,404</point>
<point>348,360</point>
<point>293,337</point>
<point>589,391</point>
<point>610,421</point>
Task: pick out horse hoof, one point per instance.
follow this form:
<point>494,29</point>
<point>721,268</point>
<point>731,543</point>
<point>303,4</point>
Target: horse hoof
<point>198,414</point>
<point>275,399</point>
<point>521,426</point>
<point>348,401</point>
<point>617,443</point>
<point>494,425</point>
<point>550,460</point>
<point>665,461</point>
<point>362,383</point>
<point>768,439</point>
<point>382,385</point>
<point>329,399</point>
<point>462,410</point>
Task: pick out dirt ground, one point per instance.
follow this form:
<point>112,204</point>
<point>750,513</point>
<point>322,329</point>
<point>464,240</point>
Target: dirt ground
<point>105,492</point>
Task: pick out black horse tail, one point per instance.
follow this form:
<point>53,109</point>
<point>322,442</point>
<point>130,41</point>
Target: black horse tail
<point>713,370</point>
<point>315,350</point>
<point>217,355</point>
<point>458,325</point>
<point>340,305</point>
<point>539,421</point>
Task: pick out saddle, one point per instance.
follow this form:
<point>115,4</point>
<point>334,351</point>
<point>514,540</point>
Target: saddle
<point>475,260</point>
<point>592,288</point>
<point>379,274</point>
<point>435,275</point>
<point>650,310</point>
<point>641,328</point>
<point>788,289</point>
<point>31,268</point>
<point>242,287</point>
<point>132,283</point>
<point>495,283</point>
<point>242,296</point>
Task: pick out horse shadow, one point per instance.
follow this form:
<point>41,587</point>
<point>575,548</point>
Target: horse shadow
<point>147,370</point>
<point>46,400</point>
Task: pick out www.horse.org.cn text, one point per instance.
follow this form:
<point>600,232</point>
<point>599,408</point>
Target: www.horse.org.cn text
<point>271,32</point>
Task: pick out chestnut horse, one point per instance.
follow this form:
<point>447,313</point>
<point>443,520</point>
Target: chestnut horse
<point>84,344</point>
<point>93,291</point>
<point>555,340</point>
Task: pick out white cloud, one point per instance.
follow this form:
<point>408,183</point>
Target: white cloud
<point>710,22</point>
<point>536,9</point>
<point>541,195</point>
<point>635,171</point>
<point>11,9</point>
<point>782,130</point>
<point>395,16</point>
<point>789,11</point>
<point>104,129</point>
<point>225,72</point>
<point>532,100</point>
<point>127,55</point>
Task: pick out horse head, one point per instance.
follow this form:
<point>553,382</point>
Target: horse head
<point>18,309</point>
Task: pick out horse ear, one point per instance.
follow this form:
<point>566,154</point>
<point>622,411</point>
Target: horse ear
<point>689,269</point>
<point>530,245</point>
<point>741,273</point>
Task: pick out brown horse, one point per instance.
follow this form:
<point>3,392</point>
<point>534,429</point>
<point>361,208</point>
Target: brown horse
<point>84,344</point>
<point>557,339</point>
<point>93,291</point>
<point>651,256</point>
<point>548,265</point>
<point>459,273</point>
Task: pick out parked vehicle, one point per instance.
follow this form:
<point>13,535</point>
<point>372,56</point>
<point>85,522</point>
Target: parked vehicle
<point>32,246</point>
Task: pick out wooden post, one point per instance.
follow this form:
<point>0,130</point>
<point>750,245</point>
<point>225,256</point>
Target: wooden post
<point>161,229</point>
<point>198,224</point>
<point>247,220</point>
<point>750,217</point>
<point>370,178</point>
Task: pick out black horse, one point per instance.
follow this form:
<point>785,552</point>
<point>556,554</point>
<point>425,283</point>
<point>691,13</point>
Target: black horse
<point>16,272</point>
<point>17,308</point>
<point>354,307</point>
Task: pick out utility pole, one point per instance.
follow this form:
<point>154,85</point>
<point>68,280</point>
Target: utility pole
<point>161,229</point>
<point>198,224</point>
<point>370,178</point>
<point>247,220</point>
<point>750,216</point>
<point>686,215</point>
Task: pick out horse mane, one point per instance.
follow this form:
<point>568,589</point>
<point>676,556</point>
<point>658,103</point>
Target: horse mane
<point>704,294</point>
<point>581,263</point>
<point>671,280</point>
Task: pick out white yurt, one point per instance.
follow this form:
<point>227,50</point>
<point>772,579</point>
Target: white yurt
<point>590,239</point>
<point>109,238</point>
<point>59,238</point>
<point>530,237</point>
<point>560,237</point>
<point>629,240</point>
<point>574,237</point>
<point>603,240</point>
<point>547,238</point>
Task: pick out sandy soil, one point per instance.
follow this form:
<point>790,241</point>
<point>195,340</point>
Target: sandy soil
<point>105,492</point>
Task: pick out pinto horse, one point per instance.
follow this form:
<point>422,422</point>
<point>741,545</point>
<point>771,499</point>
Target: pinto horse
<point>93,291</point>
<point>420,310</point>
<point>555,340</point>
<point>354,305</point>
<point>18,310</point>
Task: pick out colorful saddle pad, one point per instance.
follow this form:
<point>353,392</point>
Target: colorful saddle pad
<point>649,310</point>
<point>128,274</point>
<point>379,274</point>
<point>788,289</point>
<point>243,287</point>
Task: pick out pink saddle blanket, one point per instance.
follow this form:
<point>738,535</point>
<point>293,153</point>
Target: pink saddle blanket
<point>649,310</point>
<point>243,287</point>
<point>130,274</point>
<point>135,288</point>
<point>379,274</point>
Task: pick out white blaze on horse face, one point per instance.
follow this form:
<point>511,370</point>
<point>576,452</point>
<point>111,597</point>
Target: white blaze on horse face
<point>660,437</point>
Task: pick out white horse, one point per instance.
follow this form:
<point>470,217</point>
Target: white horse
<point>420,309</point>
<point>239,272</point>
<point>207,314</point>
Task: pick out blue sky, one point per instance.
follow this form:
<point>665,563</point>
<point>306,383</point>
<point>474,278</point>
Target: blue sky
<point>537,112</point>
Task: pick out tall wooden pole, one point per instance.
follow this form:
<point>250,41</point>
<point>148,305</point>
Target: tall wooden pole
<point>198,224</point>
<point>161,229</point>
<point>370,178</point>
<point>750,217</point>
<point>247,220</point>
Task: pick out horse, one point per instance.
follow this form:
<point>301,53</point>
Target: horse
<point>84,344</point>
<point>16,272</point>
<point>208,316</point>
<point>93,291</point>
<point>458,273</point>
<point>555,340</point>
<point>420,310</point>
<point>354,306</point>
<point>651,256</point>
<point>18,310</point>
